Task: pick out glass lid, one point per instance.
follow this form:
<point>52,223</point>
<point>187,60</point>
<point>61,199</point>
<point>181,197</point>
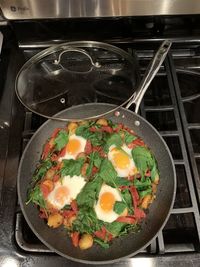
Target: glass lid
<point>77,73</point>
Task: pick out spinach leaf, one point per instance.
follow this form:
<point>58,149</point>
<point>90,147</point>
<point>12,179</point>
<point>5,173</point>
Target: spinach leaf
<point>114,139</point>
<point>119,207</point>
<point>119,228</point>
<point>36,197</point>
<point>94,137</point>
<point>154,172</point>
<point>86,221</point>
<point>148,191</point>
<point>128,138</point>
<point>89,193</point>
<point>141,185</point>
<point>143,159</point>
<point>108,173</point>
<point>128,200</point>
<point>95,160</point>
<point>72,167</point>
<point>101,243</point>
<point>61,140</point>
<point>42,169</point>
<point>119,181</point>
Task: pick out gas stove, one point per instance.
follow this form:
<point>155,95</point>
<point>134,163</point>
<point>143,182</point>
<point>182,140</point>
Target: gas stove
<point>171,104</point>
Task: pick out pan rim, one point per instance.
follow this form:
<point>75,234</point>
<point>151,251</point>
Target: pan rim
<point>104,261</point>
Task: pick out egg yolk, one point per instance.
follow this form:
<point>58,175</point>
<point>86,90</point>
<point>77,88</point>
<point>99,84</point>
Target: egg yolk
<point>61,193</point>
<point>107,201</point>
<point>73,146</point>
<point>121,160</point>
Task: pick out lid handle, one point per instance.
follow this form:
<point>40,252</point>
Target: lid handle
<point>150,73</point>
<point>82,51</point>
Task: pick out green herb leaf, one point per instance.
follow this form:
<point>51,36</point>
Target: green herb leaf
<point>72,167</point>
<point>143,159</point>
<point>108,173</point>
<point>128,138</point>
<point>96,138</point>
<point>148,191</point>
<point>42,169</point>
<point>114,139</point>
<point>36,197</point>
<point>86,221</point>
<point>61,140</point>
<point>89,193</point>
<point>128,200</point>
<point>141,185</point>
<point>119,181</point>
<point>119,207</point>
<point>101,243</point>
<point>95,160</point>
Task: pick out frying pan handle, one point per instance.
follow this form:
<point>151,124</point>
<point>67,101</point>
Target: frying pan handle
<point>150,73</point>
<point>82,51</point>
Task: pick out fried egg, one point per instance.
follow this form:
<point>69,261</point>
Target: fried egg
<point>75,145</point>
<point>64,192</point>
<point>105,204</point>
<point>122,160</point>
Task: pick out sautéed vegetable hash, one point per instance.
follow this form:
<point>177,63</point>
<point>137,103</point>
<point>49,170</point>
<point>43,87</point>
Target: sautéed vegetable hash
<point>96,179</point>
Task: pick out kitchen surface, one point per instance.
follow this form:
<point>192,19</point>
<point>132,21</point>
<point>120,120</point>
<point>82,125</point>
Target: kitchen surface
<point>171,105</point>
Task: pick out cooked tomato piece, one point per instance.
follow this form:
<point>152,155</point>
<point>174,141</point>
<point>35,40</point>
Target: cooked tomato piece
<point>55,132</point>
<point>75,236</point>
<point>88,147</point>
<point>139,214</point>
<point>68,213</point>
<point>127,219</point>
<point>74,205</point>
<point>46,151</point>
<point>107,129</point>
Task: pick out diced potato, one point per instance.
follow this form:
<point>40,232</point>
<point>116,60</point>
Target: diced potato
<point>69,221</point>
<point>55,220</point>
<point>102,122</point>
<point>72,127</point>
<point>86,241</point>
<point>49,184</point>
<point>81,155</point>
<point>83,122</point>
<point>146,201</point>
<point>125,212</point>
<point>156,180</point>
<point>50,173</point>
<point>84,169</point>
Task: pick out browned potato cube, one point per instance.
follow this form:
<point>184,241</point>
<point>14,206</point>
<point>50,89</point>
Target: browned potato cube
<point>55,220</point>
<point>146,201</point>
<point>86,241</point>
<point>72,127</point>
<point>102,122</point>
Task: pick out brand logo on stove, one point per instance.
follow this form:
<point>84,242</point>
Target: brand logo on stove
<point>19,8</point>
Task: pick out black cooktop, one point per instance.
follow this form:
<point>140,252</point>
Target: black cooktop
<point>171,104</point>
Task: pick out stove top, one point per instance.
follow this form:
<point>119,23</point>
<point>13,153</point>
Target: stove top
<point>171,104</point>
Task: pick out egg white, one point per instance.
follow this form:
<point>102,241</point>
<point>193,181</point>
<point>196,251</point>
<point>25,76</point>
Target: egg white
<point>109,216</point>
<point>73,184</point>
<point>82,147</point>
<point>129,170</point>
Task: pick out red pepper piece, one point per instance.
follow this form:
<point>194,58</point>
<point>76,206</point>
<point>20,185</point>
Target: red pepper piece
<point>56,178</point>
<point>68,213</point>
<point>93,129</point>
<point>127,219</point>
<point>136,142</point>
<point>88,147</point>
<point>107,129</point>
<point>44,189</point>
<point>75,238</point>
<point>46,150</point>
<point>135,196</point>
<point>55,132</point>
<point>139,214</point>
<point>74,205</point>
<point>62,152</point>
<point>148,173</point>
<point>119,127</point>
